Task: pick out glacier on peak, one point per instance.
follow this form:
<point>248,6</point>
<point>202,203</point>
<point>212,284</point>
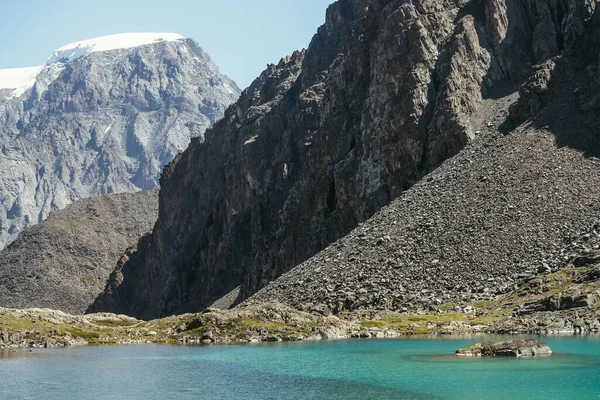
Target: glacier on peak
<point>18,80</point>
<point>77,50</point>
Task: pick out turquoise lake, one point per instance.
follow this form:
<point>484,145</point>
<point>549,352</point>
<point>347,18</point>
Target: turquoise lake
<point>349,369</point>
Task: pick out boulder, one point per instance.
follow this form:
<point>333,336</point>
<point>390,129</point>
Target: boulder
<point>512,348</point>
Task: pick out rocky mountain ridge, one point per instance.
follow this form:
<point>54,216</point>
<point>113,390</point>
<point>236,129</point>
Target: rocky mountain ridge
<point>385,93</point>
<point>64,262</point>
<point>102,116</point>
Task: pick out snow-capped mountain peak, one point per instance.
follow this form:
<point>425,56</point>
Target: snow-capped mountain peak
<point>104,123</point>
<point>77,50</point>
<point>16,81</point>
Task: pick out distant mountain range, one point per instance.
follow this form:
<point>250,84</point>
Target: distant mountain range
<point>101,116</point>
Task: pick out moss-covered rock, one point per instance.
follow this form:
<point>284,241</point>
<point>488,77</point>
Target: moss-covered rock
<point>512,348</point>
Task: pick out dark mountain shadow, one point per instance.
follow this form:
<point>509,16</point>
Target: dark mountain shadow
<point>571,127</point>
<point>475,8</point>
<point>570,105</point>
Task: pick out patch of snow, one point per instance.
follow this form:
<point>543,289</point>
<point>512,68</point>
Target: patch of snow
<point>77,50</point>
<point>228,88</point>
<point>54,70</point>
<point>251,140</point>
<point>108,129</point>
<point>18,79</point>
<point>48,75</point>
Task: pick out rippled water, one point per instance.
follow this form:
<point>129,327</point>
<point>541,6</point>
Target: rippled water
<point>353,369</point>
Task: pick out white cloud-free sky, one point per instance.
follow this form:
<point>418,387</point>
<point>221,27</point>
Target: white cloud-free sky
<point>242,36</point>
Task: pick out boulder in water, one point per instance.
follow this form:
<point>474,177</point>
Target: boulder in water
<point>512,348</point>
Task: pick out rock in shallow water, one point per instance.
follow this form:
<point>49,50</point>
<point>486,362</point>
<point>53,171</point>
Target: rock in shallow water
<point>512,348</point>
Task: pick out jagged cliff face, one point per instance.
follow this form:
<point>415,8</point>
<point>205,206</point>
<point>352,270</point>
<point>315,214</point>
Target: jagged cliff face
<point>99,122</point>
<point>386,91</point>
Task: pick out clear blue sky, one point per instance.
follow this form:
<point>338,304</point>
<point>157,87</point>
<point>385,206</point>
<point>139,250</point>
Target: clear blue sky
<point>242,36</point>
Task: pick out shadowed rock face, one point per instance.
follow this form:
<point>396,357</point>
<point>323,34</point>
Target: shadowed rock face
<point>64,262</point>
<point>386,91</point>
<point>104,123</point>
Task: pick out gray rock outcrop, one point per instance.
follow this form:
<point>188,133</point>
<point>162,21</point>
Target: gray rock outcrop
<point>561,302</point>
<point>100,123</point>
<point>512,348</point>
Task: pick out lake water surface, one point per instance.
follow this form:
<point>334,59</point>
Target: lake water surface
<point>352,369</point>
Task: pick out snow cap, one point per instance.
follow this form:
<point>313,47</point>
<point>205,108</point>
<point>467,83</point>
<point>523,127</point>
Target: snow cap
<point>77,50</point>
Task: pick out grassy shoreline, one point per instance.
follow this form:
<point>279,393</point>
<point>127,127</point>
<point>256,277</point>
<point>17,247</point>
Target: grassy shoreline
<point>565,301</point>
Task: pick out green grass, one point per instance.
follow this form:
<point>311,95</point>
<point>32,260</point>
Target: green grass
<point>88,335</point>
<point>486,304</point>
<point>25,324</point>
<point>375,324</point>
<point>446,306</point>
<point>199,331</point>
